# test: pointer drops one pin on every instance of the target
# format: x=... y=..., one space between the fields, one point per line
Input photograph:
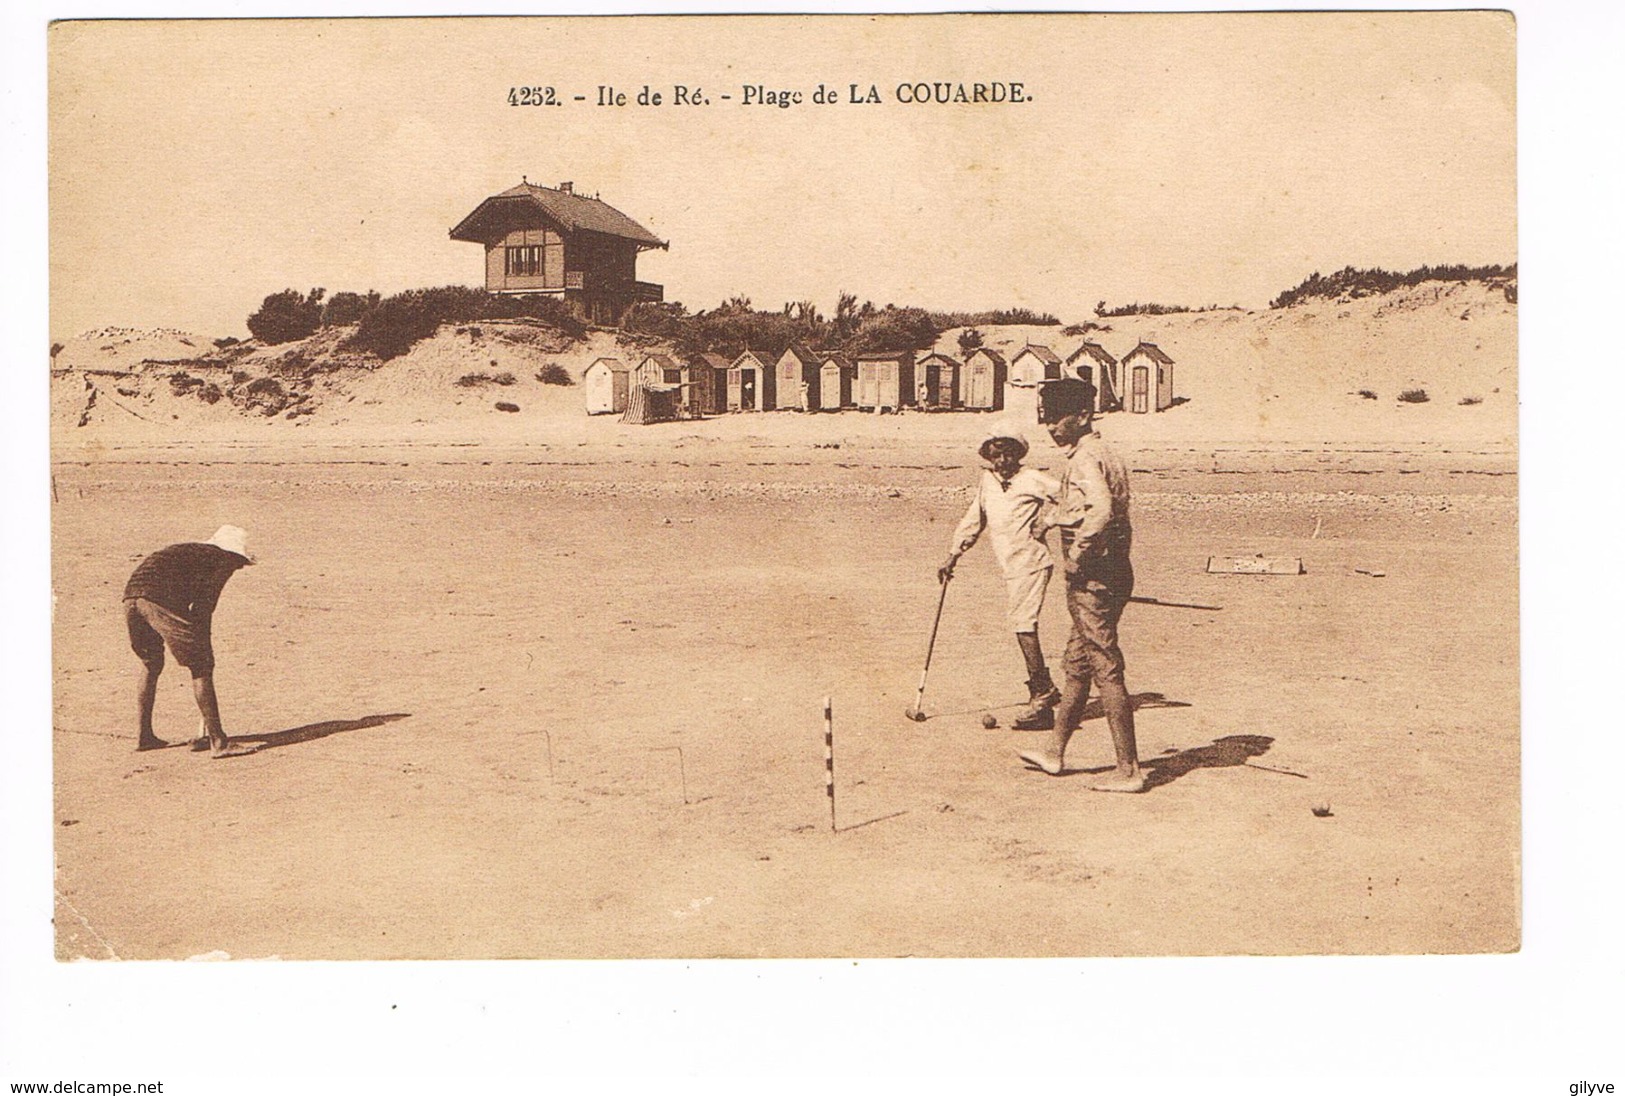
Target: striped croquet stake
x=829 y=761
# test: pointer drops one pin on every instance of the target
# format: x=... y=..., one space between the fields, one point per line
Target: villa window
x=525 y=261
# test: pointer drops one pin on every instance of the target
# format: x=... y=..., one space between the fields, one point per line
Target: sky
x=196 y=167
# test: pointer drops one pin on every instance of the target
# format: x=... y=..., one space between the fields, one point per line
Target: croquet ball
x=990 y=721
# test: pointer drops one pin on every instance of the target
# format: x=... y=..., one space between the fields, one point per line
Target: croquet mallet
x=917 y=713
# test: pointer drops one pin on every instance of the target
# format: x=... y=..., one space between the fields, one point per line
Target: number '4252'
x=533 y=97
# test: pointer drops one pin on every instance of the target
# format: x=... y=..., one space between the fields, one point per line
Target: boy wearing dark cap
x=170 y=599
x=1092 y=513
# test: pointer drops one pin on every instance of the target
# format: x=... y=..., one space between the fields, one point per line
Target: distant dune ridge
x=1281 y=376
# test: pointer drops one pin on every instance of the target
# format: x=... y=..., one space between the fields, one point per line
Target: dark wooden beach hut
x=937 y=380
x=705 y=384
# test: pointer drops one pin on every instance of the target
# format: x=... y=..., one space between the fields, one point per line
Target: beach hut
x=655 y=369
x=798 y=379
x=835 y=378
x=885 y=380
x=1091 y=362
x=1034 y=363
x=606 y=384
x=937 y=380
x=751 y=379
x=981 y=384
x=1031 y=366
x=1148 y=376
x=705 y=384
x=652 y=403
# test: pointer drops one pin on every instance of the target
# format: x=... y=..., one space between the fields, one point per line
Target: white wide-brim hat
x=1005 y=429
x=233 y=539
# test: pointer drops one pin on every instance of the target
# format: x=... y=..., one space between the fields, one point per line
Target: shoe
x=1050 y=697
x=1034 y=719
x=1039 y=715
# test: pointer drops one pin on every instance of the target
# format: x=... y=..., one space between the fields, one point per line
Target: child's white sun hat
x=232 y=538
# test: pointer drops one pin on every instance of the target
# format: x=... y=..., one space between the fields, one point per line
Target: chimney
x=567 y=188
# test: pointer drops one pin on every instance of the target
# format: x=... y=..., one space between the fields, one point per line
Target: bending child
x=1008 y=499
x=170 y=599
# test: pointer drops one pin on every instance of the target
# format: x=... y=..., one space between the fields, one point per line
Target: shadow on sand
x=1231 y=751
x=312 y=731
x=1222 y=753
x=1093 y=710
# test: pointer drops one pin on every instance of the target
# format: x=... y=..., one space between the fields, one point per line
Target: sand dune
x=1271 y=377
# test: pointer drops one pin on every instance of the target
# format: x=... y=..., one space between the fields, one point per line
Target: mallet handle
x=931 y=646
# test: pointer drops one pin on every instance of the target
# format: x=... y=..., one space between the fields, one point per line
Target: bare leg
x=146 y=693
x=1068 y=713
x=208 y=705
x=1120 y=719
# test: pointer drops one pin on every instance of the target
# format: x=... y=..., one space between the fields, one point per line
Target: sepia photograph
x=756 y=487
x=614 y=500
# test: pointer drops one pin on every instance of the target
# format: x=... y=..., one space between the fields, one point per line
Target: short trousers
x=1092 y=653
x=151 y=626
x=1026 y=599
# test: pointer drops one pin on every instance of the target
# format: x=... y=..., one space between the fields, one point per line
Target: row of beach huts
x=661 y=387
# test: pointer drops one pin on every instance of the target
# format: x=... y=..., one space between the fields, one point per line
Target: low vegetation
x=1354 y=282
x=474 y=380
x=735 y=326
x=287 y=316
x=388 y=327
x=1414 y=395
x=1151 y=308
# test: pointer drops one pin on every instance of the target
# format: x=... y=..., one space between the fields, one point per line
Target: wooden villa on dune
x=1148 y=375
x=555 y=242
x=982 y=380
